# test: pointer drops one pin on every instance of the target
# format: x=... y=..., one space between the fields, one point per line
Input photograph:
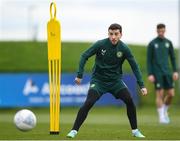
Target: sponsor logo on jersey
x=119 y=54
x=158 y=85
x=103 y=51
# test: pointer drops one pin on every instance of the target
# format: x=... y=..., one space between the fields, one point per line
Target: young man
x=159 y=72
x=107 y=77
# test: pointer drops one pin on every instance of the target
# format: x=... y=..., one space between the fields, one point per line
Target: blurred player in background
x=107 y=77
x=160 y=73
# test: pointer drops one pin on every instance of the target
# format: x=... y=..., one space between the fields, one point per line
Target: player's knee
x=92 y=98
x=89 y=103
x=129 y=101
x=171 y=95
x=159 y=96
x=86 y=106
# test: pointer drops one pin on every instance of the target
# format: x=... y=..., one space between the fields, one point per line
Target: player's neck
x=114 y=44
x=161 y=37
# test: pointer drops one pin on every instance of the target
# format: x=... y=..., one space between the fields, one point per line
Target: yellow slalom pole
x=54 y=63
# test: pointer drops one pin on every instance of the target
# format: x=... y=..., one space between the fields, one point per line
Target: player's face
x=161 y=32
x=114 y=36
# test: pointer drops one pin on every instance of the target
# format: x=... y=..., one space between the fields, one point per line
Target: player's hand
x=175 y=76
x=144 y=91
x=151 y=78
x=78 y=80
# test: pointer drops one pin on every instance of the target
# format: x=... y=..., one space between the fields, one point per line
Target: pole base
x=54 y=133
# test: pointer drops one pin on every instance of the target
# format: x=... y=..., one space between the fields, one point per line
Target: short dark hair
x=161 y=25
x=115 y=26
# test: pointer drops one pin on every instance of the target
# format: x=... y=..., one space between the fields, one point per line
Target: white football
x=25 y=120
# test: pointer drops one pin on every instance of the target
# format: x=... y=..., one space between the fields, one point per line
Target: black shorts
x=164 y=81
x=111 y=87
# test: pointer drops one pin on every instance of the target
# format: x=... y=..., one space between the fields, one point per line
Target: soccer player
x=107 y=77
x=159 y=72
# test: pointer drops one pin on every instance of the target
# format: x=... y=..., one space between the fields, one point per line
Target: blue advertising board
x=32 y=89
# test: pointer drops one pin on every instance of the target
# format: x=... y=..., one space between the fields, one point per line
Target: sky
x=88 y=20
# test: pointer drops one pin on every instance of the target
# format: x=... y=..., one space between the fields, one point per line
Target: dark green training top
x=109 y=60
x=159 y=50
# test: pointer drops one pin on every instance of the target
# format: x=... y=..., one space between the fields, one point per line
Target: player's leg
x=124 y=95
x=91 y=99
x=159 y=88
x=168 y=98
x=167 y=101
x=160 y=105
x=168 y=85
x=159 y=98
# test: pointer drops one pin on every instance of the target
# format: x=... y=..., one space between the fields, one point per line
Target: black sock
x=124 y=95
x=91 y=99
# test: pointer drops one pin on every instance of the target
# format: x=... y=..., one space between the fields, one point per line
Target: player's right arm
x=84 y=57
x=173 y=62
x=151 y=77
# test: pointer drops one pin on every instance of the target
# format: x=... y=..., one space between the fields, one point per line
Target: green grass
x=22 y=56
x=32 y=56
x=103 y=123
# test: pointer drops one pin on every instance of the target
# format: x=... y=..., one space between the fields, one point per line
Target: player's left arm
x=136 y=71
x=173 y=61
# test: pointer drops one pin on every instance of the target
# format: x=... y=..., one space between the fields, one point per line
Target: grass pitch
x=103 y=123
x=32 y=56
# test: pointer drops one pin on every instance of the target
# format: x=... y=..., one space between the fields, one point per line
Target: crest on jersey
x=156 y=45
x=119 y=54
x=158 y=85
x=167 y=45
x=103 y=51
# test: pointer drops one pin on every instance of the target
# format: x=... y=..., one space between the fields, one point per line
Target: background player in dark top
x=107 y=77
x=160 y=73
